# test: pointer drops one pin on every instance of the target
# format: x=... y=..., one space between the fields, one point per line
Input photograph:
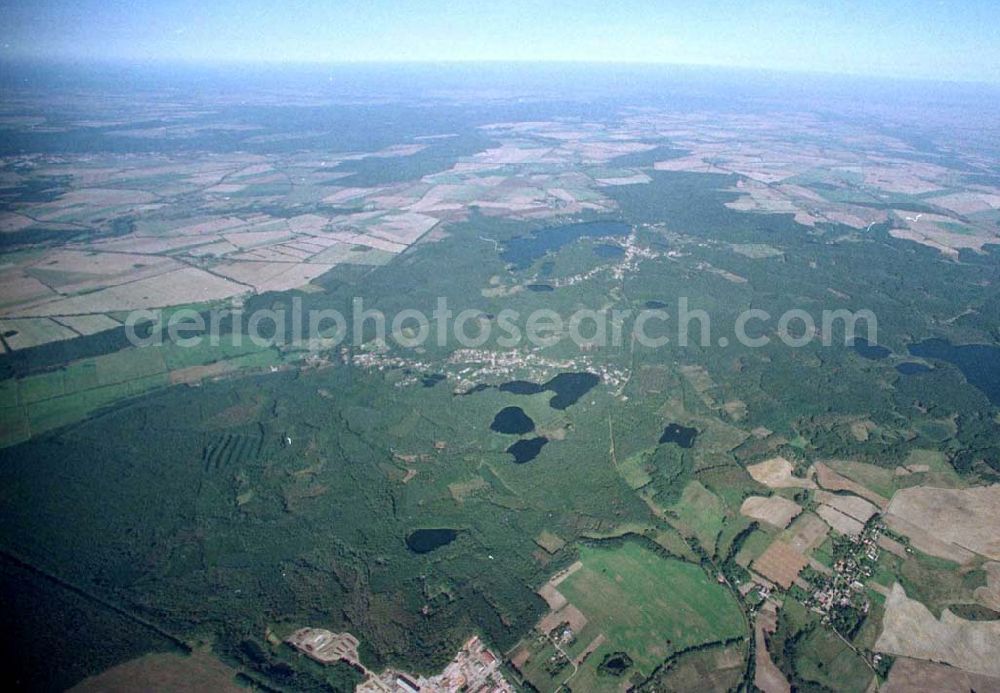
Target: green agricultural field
x=700 y=513
x=822 y=657
x=648 y=605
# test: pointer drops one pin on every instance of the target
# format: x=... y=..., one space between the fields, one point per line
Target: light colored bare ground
x=565 y=573
x=839 y=521
x=553 y=597
x=18 y=288
x=892 y=546
x=272 y=276
x=780 y=563
x=969 y=517
x=833 y=481
x=164 y=672
x=917 y=676
x=967 y=202
x=256 y=239
x=520 y=658
x=774 y=510
x=72 y=271
x=195 y=374
x=921 y=539
x=806 y=533
x=13 y=222
x=634 y=179
x=567 y=614
x=134 y=243
x=88 y=324
x=29 y=332
x=989 y=594
x=858 y=508
x=736 y=408
x=767 y=676
x=777 y=473
x=909 y=629
x=186 y=285
x=211 y=226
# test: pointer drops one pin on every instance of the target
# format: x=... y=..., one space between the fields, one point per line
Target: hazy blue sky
x=955 y=39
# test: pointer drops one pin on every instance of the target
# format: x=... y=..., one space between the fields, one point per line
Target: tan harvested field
x=565 y=573
x=165 y=673
x=404 y=229
x=832 y=481
x=917 y=676
x=272 y=276
x=634 y=179
x=774 y=510
x=989 y=594
x=88 y=324
x=923 y=540
x=777 y=473
x=549 y=541
x=968 y=202
x=18 y=288
x=255 y=239
x=909 y=629
x=134 y=243
x=181 y=286
x=892 y=546
x=71 y=271
x=552 y=597
x=780 y=563
x=767 y=676
x=968 y=518
x=839 y=521
x=853 y=506
x=806 y=533
x=567 y=614
x=30 y=332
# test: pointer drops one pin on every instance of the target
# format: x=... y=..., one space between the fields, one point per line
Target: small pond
x=426 y=540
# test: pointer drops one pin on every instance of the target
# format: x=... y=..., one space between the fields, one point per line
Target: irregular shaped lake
x=979 y=363
x=873 y=352
x=568 y=388
x=681 y=435
x=426 y=540
x=512 y=420
x=521 y=252
x=527 y=449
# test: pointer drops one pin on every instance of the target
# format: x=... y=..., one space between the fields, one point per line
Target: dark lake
x=426 y=540
x=616 y=663
x=979 y=363
x=568 y=388
x=870 y=351
x=527 y=449
x=607 y=250
x=432 y=379
x=522 y=387
x=512 y=420
x=912 y=368
x=655 y=305
x=541 y=288
x=681 y=435
x=522 y=251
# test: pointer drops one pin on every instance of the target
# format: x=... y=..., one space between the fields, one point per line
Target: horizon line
x=232 y=62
